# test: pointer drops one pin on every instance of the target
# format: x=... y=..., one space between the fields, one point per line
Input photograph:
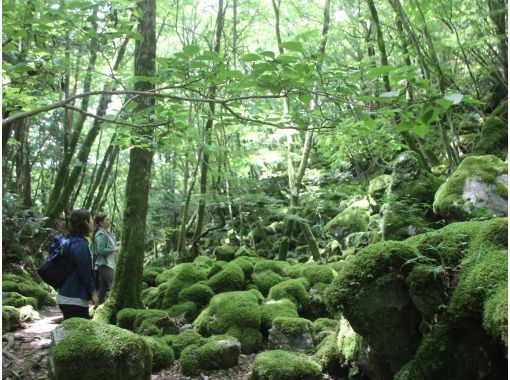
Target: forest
x=305 y=189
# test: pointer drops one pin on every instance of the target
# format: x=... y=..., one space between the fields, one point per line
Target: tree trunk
x=204 y=168
x=127 y=284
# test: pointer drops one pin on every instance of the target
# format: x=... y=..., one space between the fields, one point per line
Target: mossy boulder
x=244 y=251
x=199 y=293
x=495 y=314
x=291 y=334
x=213 y=354
x=272 y=309
x=185 y=311
x=493 y=138
x=378 y=187
x=162 y=355
x=225 y=252
x=322 y=327
x=352 y=219
x=372 y=293
x=283 y=365
x=185 y=339
x=477 y=188
x=11 y=319
x=246 y=264
x=410 y=195
x=17 y=300
x=293 y=290
x=315 y=273
x=216 y=268
x=83 y=349
x=230 y=278
x=156 y=322
x=233 y=313
x=184 y=275
x=150 y=274
x=279 y=267
x=265 y=280
x=28 y=288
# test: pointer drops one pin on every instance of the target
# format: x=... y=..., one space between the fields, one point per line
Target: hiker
x=104 y=247
x=78 y=289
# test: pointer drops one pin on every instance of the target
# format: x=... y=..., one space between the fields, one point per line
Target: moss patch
x=162 y=355
x=283 y=365
x=293 y=290
x=230 y=278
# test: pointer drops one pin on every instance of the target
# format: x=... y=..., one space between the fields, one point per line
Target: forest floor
x=25 y=354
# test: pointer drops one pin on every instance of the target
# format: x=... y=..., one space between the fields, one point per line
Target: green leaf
x=250 y=57
x=404 y=126
x=420 y=129
x=454 y=98
x=190 y=50
x=292 y=46
x=380 y=70
x=268 y=53
x=469 y=100
x=371 y=123
x=428 y=114
x=444 y=103
x=286 y=58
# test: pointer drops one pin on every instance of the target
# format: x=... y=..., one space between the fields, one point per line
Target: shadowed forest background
x=333 y=171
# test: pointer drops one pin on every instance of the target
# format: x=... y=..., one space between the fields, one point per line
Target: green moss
x=448 y=201
x=217 y=267
x=185 y=339
x=26 y=287
x=148 y=327
x=336 y=266
x=199 y=293
x=378 y=186
x=246 y=265
x=352 y=219
x=184 y=275
x=318 y=273
x=150 y=274
x=495 y=314
x=17 y=300
x=225 y=252
x=11 y=318
x=283 y=365
x=279 y=267
x=5 y=322
x=492 y=233
x=114 y=352
x=238 y=310
x=272 y=309
x=126 y=318
x=292 y=290
x=186 y=310
x=250 y=338
x=291 y=326
x=348 y=343
x=327 y=355
x=132 y=319
x=211 y=355
x=265 y=280
x=162 y=355
x=367 y=265
x=296 y=271
x=231 y=278
x=203 y=262
x=428 y=286
x=323 y=327
x=493 y=139
x=258 y=294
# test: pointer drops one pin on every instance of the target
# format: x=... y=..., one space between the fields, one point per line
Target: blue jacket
x=80 y=283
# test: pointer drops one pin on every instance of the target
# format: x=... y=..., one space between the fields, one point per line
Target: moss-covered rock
x=291 y=334
x=28 y=288
x=279 y=267
x=185 y=339
x=213 y=354
x=293 y=290
x=283 y=365
x=246 y=264
x=225 y=252
x=199 y=293
x=493 y=138
x=265 y=280
x=371 y=292
x=272 y=309
x=352 y=219
x=150 y=274
x=217 y=267
x=162 y=355
x=315 y=273
x=108 y=351
x=378 y=186
x=411 y=193
x=478 y=187
x=244 y=251
x=322 y=327
x=156 y=322
x=230 y=278
x=328 y=357
x=186 y=311
x=17 y=300
x=495 y=314
x=233 y=313
x=184 y=275
x=11 y=319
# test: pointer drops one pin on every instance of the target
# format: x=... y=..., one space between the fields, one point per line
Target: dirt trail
x=26 y=357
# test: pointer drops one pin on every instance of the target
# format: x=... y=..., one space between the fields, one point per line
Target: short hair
x=99 y=218
x=78 y=225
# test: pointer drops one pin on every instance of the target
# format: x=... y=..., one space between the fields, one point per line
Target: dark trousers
x=105 y=281
x=71 y=311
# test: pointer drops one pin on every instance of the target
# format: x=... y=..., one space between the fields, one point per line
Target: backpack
x=58 y=265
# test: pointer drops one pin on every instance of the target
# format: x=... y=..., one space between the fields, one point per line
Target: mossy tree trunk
x=127 y=285
x=204 y=166
x=296 y=176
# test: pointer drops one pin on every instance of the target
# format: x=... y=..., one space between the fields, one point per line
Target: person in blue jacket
x=78 y=289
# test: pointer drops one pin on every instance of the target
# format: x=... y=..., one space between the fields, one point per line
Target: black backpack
x=58 y=265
